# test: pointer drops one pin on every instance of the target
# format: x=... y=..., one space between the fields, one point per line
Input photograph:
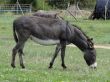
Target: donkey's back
x=41 y=28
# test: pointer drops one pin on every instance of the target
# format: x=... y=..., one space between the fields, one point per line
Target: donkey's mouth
x=94 y=65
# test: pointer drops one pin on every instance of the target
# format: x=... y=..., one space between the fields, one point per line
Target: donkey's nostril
x=95 y=67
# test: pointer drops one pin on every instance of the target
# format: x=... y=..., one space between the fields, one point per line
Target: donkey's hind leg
x=23 y=37
x=19 y=46
x=20 y=56
x=14 y=52
x=55 y=55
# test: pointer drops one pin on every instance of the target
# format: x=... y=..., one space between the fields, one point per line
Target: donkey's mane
x=88 y=38
x=81 y=31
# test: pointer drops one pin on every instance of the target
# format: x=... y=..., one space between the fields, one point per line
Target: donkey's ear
x=90 y=39
x=90 y=43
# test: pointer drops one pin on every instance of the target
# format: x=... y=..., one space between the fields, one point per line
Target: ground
x=37 y=57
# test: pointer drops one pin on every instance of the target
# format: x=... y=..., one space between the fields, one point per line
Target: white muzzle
x=94 y=65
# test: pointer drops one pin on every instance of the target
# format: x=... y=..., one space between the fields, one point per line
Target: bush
x=58 y=3
x=41 y=5
x=87 y=3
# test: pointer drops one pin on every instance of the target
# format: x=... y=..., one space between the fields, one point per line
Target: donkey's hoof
x=50 y=67
x=64 y=67
x=22 y=66
x=51 y=64
x=13 y=66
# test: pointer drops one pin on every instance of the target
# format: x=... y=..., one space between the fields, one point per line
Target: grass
x=37 y=57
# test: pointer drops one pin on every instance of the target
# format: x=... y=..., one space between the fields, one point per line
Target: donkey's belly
x=45 y=42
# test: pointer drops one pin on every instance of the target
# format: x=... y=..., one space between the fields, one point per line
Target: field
x=37 y=57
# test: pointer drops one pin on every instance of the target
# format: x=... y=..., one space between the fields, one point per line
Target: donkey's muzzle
x=94 y=65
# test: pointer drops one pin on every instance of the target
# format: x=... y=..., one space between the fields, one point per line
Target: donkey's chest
x=45 y=41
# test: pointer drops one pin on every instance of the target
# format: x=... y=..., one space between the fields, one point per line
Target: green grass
x=37 y=57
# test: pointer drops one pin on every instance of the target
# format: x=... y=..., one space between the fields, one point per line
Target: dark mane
x=81 y=31
x=90 y=42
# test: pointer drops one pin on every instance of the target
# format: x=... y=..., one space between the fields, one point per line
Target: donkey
x=48 y=31
x=48 y=14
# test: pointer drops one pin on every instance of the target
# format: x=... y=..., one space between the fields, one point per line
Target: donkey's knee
x=14 y=51
x=21 y=52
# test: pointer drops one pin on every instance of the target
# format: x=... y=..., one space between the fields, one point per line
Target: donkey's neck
x=80 y=39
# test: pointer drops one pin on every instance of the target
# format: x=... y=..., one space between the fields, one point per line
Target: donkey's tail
x=14 y=33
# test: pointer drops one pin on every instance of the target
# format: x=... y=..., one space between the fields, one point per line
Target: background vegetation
x=56 y=3
x=37 y=57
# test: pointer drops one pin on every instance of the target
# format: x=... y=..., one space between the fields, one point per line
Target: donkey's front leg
x=55 y=55
x=63 y=47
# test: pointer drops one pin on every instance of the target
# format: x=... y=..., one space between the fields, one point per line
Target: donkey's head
x=90 y=54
